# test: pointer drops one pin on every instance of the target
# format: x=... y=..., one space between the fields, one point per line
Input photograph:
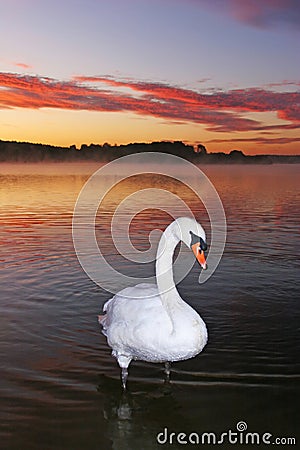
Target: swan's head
x=193 y=235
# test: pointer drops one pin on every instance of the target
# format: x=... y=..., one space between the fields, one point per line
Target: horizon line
x=79 y=149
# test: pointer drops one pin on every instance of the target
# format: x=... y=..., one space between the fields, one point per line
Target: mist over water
x=60 y=385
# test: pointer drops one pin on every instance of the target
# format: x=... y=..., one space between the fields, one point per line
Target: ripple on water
x=61 y=387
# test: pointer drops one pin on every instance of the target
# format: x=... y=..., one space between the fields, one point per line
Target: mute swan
x=152 y=322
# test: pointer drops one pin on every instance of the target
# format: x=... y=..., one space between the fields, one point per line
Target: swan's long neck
x=164 y=270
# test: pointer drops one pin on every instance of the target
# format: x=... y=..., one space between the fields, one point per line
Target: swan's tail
x=102 y=322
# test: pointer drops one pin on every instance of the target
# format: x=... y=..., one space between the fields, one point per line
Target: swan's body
x=152 y=322
x=141 y=328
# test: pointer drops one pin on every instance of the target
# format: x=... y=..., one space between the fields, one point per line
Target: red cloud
x=258 y=13
x=22 y=65
x=240 y=100
x=218 y=111
x=260 y=140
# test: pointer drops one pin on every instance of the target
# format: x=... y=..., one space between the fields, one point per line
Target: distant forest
x=27 y=152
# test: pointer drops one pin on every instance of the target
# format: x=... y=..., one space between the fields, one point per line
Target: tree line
x=11 y=151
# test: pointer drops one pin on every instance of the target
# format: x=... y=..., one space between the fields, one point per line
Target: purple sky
x=224 y=73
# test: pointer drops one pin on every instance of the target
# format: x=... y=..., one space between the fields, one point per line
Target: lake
x=60 y=385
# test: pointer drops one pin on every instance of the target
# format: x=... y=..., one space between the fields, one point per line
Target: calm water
x=60 y=386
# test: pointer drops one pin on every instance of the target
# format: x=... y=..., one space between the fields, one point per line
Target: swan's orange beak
x=199 y=254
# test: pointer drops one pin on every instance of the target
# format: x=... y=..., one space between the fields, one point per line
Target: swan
x=152 y=322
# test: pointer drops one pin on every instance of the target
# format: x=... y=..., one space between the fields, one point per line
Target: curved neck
x=164 y=263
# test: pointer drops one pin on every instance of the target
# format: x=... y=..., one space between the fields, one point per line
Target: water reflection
x=134 y=417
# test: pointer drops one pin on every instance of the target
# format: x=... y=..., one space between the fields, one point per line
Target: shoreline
x=24 y=152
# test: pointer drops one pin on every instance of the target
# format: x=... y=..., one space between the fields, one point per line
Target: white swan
x=152 y=322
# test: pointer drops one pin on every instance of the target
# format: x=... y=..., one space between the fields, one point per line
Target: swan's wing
x=129 y=302
x=127 y=305
x=134 y=320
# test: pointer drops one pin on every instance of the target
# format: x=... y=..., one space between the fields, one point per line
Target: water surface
x=60 y=385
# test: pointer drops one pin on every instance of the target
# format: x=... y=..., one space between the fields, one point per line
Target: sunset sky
x=225 y=73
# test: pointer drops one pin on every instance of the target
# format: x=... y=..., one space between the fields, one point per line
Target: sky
x=224 y=73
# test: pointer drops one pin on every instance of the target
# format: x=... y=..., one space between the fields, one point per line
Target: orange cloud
x=218 y=111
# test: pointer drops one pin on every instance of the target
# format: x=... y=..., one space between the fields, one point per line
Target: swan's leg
x=124 y=376
x=124 y=362
x=167 y=371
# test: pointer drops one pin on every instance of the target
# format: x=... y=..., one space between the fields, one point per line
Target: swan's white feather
x=153 y=323
x=138 y=326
